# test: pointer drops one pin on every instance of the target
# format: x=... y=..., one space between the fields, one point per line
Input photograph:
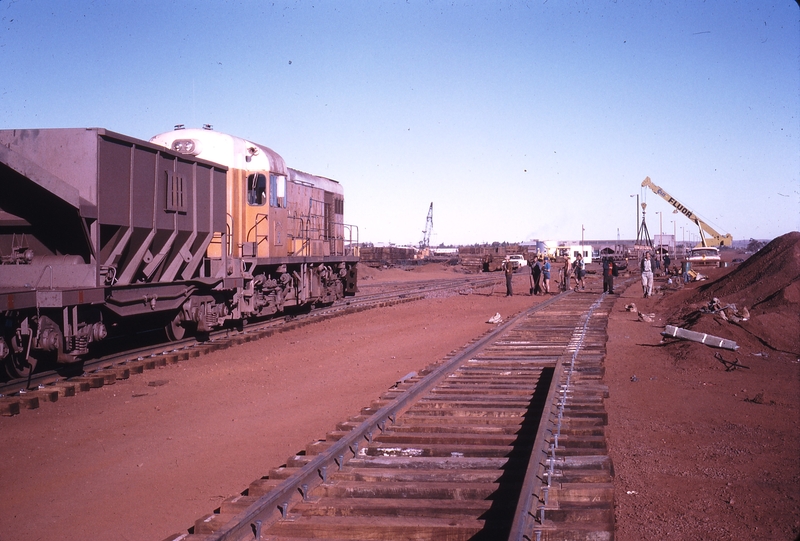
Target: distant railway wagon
x=104 y=234
x=382 y=256
x=488 y=258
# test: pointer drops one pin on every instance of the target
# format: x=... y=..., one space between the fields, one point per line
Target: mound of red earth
x=705 y=441
x=767 y=285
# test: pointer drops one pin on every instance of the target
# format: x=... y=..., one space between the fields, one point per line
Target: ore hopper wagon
x=104 y=234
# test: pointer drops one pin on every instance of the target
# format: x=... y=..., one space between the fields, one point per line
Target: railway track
x=502 y=440
x=19 y=394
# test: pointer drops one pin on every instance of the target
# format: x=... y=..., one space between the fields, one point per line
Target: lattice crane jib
x=426 y=233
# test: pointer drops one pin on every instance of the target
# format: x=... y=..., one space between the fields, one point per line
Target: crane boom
x=426 y=234
x=718 y=238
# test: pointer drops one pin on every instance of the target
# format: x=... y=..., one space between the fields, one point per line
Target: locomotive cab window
x=277 y=191
x=256 y=189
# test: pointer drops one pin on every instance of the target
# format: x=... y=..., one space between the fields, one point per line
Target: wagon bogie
x=51 y=336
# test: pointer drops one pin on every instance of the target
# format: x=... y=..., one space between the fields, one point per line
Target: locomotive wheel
x=19 y=367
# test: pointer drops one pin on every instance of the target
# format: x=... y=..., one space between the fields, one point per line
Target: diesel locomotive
x=102 y=234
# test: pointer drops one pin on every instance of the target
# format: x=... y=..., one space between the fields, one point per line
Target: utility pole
x=636 y=229
x=582 y=230
x=674 y=234
x=660 y=231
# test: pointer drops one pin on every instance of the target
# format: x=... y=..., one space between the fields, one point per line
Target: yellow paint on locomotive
x=272 y=211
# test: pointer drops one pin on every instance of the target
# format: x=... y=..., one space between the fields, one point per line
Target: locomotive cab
x=285 y=236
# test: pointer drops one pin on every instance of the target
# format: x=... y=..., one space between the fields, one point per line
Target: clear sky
x=518 y=120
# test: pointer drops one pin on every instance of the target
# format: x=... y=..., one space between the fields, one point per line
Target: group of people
x=540 y=276
x=576 y=271
x=541 y=270
x=649 y=265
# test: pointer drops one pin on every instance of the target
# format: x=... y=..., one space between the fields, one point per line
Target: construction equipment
x=715 y=238
x=426 y=234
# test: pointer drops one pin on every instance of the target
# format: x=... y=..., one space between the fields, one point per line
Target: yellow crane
x=715 y=238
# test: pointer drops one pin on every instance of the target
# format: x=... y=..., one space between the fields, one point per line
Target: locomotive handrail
x=229 y=234
x=259 y=218
x=354 y=246
x=311 y=202
x=42 y=276
x=301 y=220
x=301 y=229
x=302 y=247
x=218 y=240
x=309 y=233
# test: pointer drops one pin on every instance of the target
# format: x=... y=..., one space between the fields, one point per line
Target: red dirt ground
x=699 y=452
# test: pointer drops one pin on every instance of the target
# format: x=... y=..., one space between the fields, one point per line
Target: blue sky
x=518 y=120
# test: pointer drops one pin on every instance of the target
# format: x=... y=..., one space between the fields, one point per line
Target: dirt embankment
x=703 y=450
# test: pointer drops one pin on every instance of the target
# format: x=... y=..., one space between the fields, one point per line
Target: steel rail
x=529 y=521
x=525 y=516
x=275 y=504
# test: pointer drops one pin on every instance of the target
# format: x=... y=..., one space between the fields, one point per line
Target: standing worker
x=530 y=276
x=536 y=272
x=646 y=267
x=509 y=272
x=546 y=276
x=609 y=272
x=580 y=271
x=565 y=274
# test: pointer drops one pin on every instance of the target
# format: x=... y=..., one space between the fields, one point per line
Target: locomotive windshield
x=256 y=189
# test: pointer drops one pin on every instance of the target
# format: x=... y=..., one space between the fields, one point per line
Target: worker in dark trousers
x=609 y=272
x=509 y=272
x=566 y=273
x=536 y=272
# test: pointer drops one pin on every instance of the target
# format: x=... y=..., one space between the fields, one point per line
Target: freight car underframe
x=58 y=326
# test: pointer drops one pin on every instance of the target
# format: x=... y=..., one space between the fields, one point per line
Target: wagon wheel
x=175 y=331
x=17 y=366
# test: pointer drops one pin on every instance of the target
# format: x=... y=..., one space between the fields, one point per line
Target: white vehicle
x=516 y=261
x=707 y=256
x=571 y=252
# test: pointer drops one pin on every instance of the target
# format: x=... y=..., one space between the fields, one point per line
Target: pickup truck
x=705 y=256
x=515 y=260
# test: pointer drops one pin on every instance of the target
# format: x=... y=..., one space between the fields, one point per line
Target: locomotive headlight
x=186 y=146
